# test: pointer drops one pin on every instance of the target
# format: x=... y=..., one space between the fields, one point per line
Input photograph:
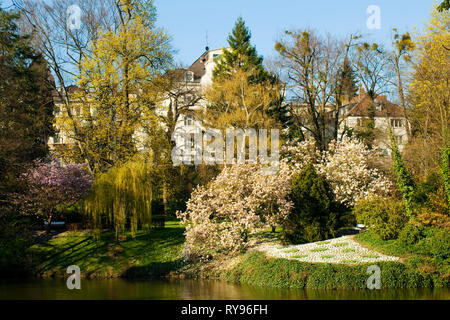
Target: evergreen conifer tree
x=242 y=55
x=348 y=81
x=26 y=103
x=316 y=214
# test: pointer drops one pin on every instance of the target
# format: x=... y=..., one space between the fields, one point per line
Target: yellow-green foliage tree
x=430 y=89
x=121 y=198
x=431 y=83
x=243 y=93
x=240 y=103
x=111 y=102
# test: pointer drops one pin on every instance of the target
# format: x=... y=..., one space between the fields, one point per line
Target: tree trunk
x=165 y=201
x=49 y=225
x=245 y=238
x=403 y=101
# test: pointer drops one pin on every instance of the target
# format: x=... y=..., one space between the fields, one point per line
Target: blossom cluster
x=219 y=218
x=347 y=167
x=52 y=184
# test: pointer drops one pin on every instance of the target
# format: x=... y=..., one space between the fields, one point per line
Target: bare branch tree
x=64 y=47
x=311 y=64
x=371 y=64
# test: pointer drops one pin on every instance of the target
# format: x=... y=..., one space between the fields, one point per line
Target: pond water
x=120 y=289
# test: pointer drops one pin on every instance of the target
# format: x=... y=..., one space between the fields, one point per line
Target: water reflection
x=195 y=290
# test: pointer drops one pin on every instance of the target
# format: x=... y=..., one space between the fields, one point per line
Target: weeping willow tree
x=121 y=198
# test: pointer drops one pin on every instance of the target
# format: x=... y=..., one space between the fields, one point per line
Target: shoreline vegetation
x=158 y=254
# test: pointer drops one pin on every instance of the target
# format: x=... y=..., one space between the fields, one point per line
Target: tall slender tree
x=112 y=80
x=26 y=104
x=311 y=63
x=399 y=58
x=241 y=55
x=405 y=181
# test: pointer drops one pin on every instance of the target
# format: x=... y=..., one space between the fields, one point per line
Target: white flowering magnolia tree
x=347 y=167
x=220 y=217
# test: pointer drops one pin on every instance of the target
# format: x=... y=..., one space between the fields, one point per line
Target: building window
x=189 y=141
x=189 y=76
x=360 y=122
x=396 y=123
x=189 y=120
x=398 y=139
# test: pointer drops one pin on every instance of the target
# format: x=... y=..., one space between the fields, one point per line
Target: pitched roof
x=198 y=67
x=359 y=107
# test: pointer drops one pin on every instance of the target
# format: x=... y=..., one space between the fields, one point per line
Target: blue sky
x=189 y=21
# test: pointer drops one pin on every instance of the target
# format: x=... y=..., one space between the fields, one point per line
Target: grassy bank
x=256 y=269
x=149 y=254
x=425 y=256
x=158 y=253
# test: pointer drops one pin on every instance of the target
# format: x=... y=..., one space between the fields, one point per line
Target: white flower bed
x=340 y=250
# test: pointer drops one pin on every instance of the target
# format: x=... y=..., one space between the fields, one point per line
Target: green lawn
x=257 y=269
x=389 y=247
x=152 y=253
x=422 y=260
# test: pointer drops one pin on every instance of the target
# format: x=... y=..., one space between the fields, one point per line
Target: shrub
x=424 y=188
x=436 y=244
x=396 y=275
x=386 y=217
x=315 y=215
x=15 y=239
x=433 y=219
x=438 y=202
x=436 y=212
x=348 y=165
x=256 y=269
x=411 y=234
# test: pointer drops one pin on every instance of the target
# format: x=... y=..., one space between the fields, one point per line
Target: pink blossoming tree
x=53 y=185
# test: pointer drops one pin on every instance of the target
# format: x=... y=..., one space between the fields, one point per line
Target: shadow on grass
x=153 y=270
x=149 y=254
x=74 y=254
